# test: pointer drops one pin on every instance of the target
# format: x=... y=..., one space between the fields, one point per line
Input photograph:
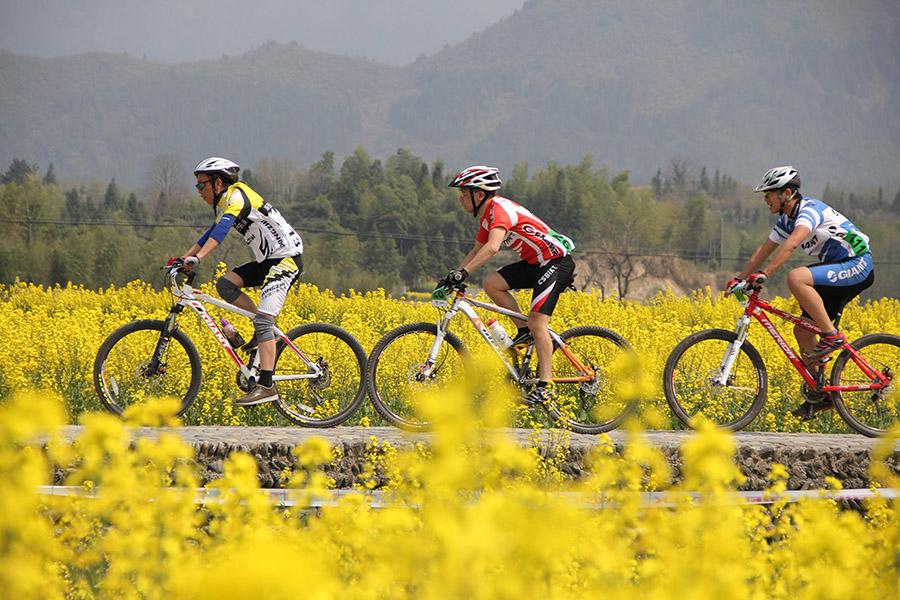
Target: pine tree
x=19 y=171
x=112 y=200
x=704 y=180
x=50 y=175
x=657 y=183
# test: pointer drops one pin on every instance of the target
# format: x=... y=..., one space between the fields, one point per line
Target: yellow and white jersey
x=264 y=229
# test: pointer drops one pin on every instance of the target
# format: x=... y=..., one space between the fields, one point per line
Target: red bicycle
x=718 y=374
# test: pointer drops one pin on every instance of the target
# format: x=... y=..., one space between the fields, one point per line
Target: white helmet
x=479 y=176
x=779 y=177
x=215 y=165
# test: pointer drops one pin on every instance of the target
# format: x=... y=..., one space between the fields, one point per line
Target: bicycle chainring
x=592 y=387
x=245 y=384
x=324 y=379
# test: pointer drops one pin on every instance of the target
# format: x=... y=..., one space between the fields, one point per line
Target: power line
x=635 y=252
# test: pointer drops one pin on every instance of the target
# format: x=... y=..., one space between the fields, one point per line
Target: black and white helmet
x=215 y=165
x=480 y=177
x=779 y=177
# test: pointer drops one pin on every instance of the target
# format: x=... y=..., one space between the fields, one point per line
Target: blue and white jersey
x=832 y=237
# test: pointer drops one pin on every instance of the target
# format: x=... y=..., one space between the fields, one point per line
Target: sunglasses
x=202 y=184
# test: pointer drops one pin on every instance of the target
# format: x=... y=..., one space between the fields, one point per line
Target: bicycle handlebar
x=175 y=268
x=751 y=289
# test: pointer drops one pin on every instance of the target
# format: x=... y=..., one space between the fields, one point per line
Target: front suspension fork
x=164 y=338
x=734 y=349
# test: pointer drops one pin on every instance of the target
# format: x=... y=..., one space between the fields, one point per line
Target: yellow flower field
x=49 y=337
x=475 y=516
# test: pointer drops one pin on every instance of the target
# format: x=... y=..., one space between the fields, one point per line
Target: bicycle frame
x=188 y=297
x=757 y=309
x=465 y=304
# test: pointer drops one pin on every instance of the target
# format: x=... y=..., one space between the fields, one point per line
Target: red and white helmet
x=215 y=165
x=480 y=177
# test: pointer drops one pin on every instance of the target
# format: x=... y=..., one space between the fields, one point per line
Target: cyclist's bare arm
x=208 y=247
x=757 y=258
x=482 y=253
x=787 y=248
x=471 y=253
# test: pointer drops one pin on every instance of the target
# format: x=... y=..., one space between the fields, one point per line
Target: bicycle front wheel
x=396 y=372
x=869 y=412
x=136 y=363
x=594 y=406
x=691 y=386
x=322 y=384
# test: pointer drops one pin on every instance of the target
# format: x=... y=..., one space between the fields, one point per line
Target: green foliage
x=369 y=223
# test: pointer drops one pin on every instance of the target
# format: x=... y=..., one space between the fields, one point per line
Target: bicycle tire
x=576 y=403
x=333 y=397
x=683 y=401
x=390 y=390
x=112 y=371
x=878 y=405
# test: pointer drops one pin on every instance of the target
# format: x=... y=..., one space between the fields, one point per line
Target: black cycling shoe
x=523 y=339
x=808 y=410
x=540 y=395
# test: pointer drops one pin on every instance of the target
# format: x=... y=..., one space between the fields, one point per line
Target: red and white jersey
x=533 y=239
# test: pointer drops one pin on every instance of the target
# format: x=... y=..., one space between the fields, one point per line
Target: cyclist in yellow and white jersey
x=277 y=252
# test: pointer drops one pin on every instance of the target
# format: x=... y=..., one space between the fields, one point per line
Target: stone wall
x=809 y=458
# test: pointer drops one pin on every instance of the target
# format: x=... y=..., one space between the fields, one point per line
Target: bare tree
x=624 y=267
x=167 y=177
x=681 y=174
x=277 y=179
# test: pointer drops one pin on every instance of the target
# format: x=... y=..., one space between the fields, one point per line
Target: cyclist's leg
x=800 y=282
x=515 y=276
x=250 y=274
x=834 y=298
x=552 y=280
x=832 y=286
x=275 y=286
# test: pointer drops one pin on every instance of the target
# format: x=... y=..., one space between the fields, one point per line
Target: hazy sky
x=391 y=31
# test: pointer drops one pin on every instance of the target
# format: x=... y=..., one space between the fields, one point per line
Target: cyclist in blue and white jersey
x=844 y=268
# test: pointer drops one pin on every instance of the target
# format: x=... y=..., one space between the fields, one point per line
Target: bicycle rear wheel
x=330 y=398
x=126 y=372
x=594 y=406
x=394 y=372
x=688 y=381
x=869 y=412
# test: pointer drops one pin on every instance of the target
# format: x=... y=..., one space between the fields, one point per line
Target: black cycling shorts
x=548 y=281
x=276 y=276
x=836 y=297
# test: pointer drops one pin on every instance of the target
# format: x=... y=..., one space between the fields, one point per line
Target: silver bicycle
x=319 y=367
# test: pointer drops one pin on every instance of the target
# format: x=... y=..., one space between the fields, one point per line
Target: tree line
x=369 y=223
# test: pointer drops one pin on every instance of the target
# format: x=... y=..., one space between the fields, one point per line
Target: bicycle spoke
x=693 y=381
x=598 y=401
x=874 y=409
x=128 y=374
x=399 y=373
x=325 y=388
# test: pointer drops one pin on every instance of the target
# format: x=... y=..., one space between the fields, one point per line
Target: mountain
x=729 y=84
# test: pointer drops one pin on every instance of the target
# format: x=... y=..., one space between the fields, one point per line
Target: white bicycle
x=319 y=367
x=416 y=356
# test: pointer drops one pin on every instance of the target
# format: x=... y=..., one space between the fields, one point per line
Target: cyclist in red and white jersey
x=546 y=265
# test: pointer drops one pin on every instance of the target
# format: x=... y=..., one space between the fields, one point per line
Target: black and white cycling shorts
x=548 y=281
x=276 y=276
